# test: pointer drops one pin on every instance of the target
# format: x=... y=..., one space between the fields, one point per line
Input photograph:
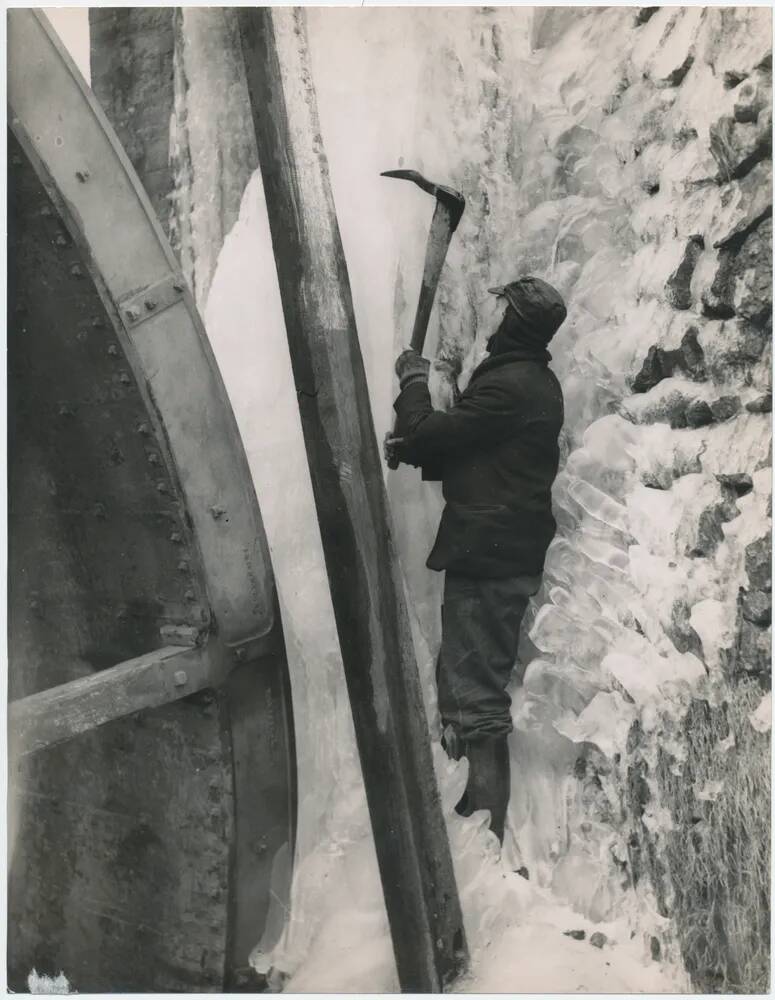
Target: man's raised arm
x=425 y=435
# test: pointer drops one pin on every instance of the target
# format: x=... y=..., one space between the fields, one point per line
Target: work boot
x=489 y=781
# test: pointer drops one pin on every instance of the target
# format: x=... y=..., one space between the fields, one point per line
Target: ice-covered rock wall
x=625 y=156
x=622 y=154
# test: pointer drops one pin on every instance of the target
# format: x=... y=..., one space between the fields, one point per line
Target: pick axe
x=449 y=208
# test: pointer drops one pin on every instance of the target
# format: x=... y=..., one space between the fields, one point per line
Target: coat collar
x=509 y=357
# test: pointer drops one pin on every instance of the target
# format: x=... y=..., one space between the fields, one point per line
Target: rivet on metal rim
x=176 y=537
x=189 y=595
x=217 y=512
x=82 y=175
x=143 y=429
x=181 y=678
x=161 y=487
x=150 y=305
x=77 y=271
x=124 y=379
x=113 y=351
x=132 y=315
x=183 y=566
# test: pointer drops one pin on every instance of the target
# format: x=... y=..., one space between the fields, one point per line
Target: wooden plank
x=366 y=587
x=62 y=712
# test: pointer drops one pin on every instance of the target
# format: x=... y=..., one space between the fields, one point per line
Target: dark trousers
x=480 y=624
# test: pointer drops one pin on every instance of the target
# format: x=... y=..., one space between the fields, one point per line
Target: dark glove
x=390 y=446
x=412 y=367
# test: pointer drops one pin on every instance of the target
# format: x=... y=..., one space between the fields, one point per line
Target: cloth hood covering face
x=536 y=312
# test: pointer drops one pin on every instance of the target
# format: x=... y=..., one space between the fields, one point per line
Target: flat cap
x=535 y=302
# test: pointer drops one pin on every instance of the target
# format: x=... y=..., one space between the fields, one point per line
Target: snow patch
x=761 y=718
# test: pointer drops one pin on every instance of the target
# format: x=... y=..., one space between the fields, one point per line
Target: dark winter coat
x=496 y=453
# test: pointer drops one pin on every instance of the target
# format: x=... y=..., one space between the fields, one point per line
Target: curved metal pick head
x=453 y=199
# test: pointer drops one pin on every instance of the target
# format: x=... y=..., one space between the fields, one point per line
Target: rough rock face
x=132 y=51
x=161 y=75
x=212 y=156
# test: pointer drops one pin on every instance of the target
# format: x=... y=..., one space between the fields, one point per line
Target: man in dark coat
x=496 y=453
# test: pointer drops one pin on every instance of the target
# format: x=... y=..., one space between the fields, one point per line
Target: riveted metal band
x=152 y=300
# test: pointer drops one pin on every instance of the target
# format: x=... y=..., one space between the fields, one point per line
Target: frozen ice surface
x=598 y=505
x=245 y=325
x=605 y=721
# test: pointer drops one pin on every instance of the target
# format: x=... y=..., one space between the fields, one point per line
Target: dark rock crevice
x=660 y=363
x=678 y=288
x=743 y=282
x=738 y=146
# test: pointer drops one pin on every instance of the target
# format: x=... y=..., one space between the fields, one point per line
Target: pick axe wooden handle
x=449 y=208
